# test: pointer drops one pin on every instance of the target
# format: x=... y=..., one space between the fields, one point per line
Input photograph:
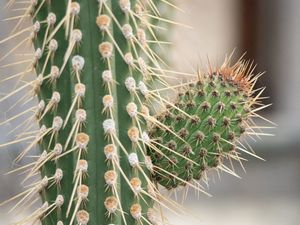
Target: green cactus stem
x=98 y=60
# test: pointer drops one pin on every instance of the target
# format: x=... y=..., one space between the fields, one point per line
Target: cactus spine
x=105 y=148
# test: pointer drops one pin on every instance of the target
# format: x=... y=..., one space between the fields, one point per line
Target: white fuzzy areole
x=109 y=126
x=133 y=159
x=130 y=84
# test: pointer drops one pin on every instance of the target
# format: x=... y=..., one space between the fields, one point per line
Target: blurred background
x=269 y=31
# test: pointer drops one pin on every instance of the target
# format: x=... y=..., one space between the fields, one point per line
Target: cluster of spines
x=122 y=79
x=221 y=108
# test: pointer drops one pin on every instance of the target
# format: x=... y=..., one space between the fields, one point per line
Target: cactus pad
x=214 y=113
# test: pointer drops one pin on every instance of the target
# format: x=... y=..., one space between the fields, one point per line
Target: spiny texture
x=104 y=150
x=95 y=72
x=101 y=60
x=215 y=112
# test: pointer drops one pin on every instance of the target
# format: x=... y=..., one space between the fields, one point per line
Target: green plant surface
x=216 y=112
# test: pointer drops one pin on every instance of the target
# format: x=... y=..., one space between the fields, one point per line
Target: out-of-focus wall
x=214 y=32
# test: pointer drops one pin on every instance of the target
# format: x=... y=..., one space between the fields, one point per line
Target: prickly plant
x=109 y=137
x=215 y=112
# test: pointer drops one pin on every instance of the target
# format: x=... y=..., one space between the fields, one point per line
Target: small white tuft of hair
x=103 y=22
x=57 y=123
x=128 y=58
x=83 y=191
x=57 y=149
x=54 y=72
x=41 y=105
x=58 y=176
x=142 y=65
x=53 y=45
x=36 y=27
x=136 y=185
x=148 y=163
x=78 y=62
x=131 y=109
x=38 y=53
x=133 y=159
x=51 y=19
x=136 y=211
x=55 y=98
x=145 y=110
x=82 y=166
x=82 y=140
x=109 y=126
x=44 y=183
x=141 y=36
x=145 y=137
x=127 y=31
x=133 y=134
x=80 y=115
x=130 y=84
x=108 y=101
x=111 y=204
x=79 y=89
x=125 y=5
x=82 y=217
x=59 y=201
x=143 y=88
x=110 y=151
x=76 y=35
x=40 y=108
x=107 y=76
x=106 y=49
x=74 y=8
x=110 y=177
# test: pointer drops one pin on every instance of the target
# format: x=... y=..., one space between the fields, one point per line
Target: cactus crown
x=109 y=138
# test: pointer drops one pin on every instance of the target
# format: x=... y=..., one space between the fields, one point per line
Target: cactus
x=216 y=111
x=109 y=138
